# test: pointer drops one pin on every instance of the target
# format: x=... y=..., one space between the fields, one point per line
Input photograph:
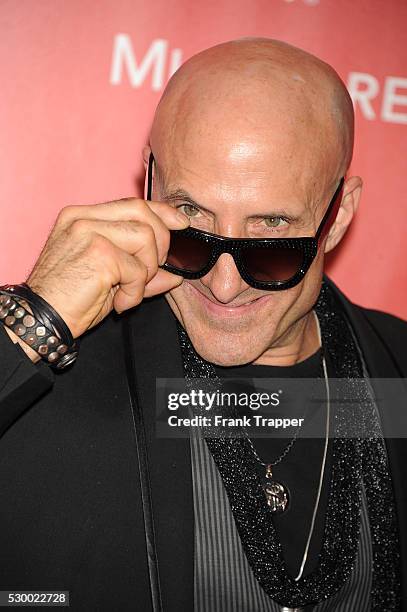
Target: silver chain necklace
x=276 y=493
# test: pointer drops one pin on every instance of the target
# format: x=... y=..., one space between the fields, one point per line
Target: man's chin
x=219 y=360
x=224 y=351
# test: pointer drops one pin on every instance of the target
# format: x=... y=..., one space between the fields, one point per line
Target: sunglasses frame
x=308 y=245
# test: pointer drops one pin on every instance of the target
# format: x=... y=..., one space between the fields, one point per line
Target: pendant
x=277 y=495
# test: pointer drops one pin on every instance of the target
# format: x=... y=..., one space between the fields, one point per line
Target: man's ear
x=350 y=201
x=146 y=156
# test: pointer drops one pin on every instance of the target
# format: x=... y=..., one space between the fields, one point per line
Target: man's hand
x=105 y=256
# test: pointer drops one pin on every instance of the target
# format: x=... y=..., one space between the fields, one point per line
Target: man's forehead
x=250 y=194
x=254 y=168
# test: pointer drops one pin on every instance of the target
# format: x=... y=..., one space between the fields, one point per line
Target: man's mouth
x=238 y=309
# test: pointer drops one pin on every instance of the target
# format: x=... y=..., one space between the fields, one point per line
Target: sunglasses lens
x=188 y=254
x=277 y=264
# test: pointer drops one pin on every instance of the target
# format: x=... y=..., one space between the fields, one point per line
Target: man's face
x=250 y=139
x=243 y=187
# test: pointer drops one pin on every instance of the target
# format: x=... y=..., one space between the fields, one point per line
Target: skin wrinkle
x=246 y=128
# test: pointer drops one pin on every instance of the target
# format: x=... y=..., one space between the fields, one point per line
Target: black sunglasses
x=264 y=263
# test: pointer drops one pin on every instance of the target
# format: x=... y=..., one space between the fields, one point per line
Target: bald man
x=217 y=277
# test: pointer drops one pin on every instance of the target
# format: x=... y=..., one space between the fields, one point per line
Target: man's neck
x=301 y=343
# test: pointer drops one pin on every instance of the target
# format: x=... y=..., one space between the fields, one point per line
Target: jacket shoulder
x=391 y=330
x=388 y=326
x=377 y=331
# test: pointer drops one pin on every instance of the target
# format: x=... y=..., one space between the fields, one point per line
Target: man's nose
x=224 y=280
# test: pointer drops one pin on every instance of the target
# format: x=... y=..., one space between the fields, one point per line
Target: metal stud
x=42 y=349
x=66 y=360
x=62 y=349
x=20 y=329
x=41 y=331
x=3 y=312
x=29 y=321
x=19 y=312
x=10 y=320
x=53 y=341
x=31 y=339
x=53 y=357
x=5 y=300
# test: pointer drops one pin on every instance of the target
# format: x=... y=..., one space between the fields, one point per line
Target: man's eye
x=275 y=221
x=189 y=210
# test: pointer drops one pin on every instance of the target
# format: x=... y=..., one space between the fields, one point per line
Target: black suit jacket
x=71 y=511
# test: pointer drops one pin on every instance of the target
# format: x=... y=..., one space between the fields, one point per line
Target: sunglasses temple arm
x=331 y=211
x=150 y=177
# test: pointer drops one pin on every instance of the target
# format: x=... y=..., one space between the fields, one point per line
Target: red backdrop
x=80 y=81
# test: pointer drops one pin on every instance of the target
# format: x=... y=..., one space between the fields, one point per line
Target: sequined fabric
x=354 y=458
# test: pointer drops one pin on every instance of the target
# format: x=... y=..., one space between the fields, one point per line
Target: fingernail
x=183 y=219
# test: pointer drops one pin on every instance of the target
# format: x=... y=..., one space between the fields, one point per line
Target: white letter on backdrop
x=123 y=57
x=175 y=61
x=363 y=96
x=391 y=99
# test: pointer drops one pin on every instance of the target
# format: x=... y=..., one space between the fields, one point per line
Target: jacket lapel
x=381 y=364
x=157 y=355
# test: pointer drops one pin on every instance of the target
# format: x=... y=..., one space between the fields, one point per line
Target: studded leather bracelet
x=42 y=329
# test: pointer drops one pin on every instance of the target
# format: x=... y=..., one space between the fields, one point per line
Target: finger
x=132 y=277
x=169 y=215
x=163 y=281
x=127 y=209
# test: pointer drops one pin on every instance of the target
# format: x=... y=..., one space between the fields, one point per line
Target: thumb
x=163 y=281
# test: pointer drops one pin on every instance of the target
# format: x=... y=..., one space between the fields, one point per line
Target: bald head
x=239 y=97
